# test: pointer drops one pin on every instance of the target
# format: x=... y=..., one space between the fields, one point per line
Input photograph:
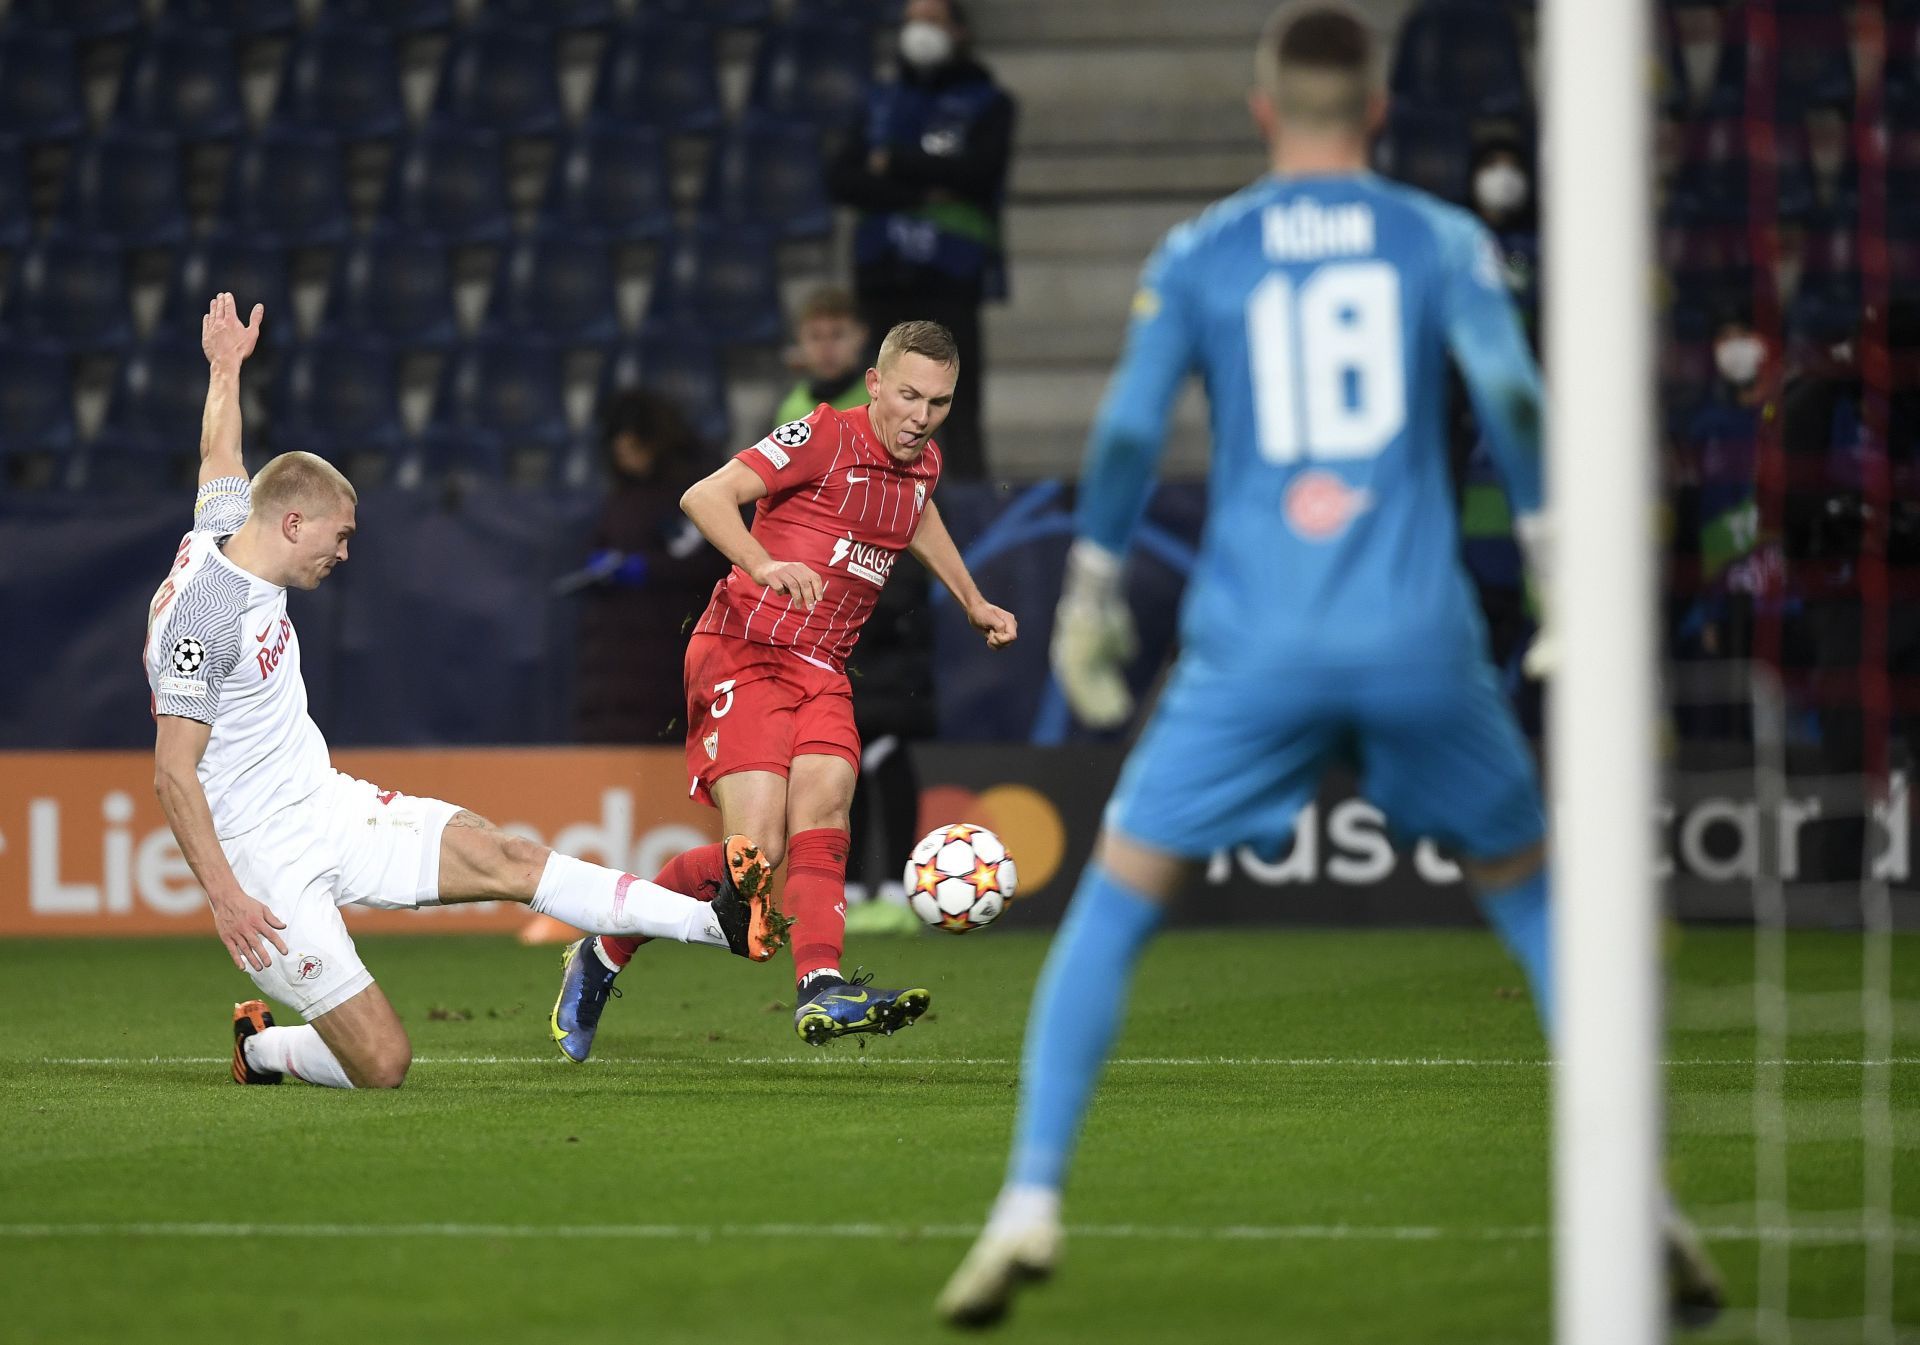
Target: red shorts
x=752 y=707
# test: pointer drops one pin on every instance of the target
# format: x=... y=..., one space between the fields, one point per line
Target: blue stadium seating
x=1461 y=56
x=394 y=286
x=721 y=281
x=449 y=183
x=36 y=399
x=1814 y=69
x=500 y=77
x=344 y=79
x=1429 y=148
x=558 y=285
x=720 y=13
x=72 y=292
x=685 y=369
x=1715 y=181
x=249 y=17
x=1826 y=307
x=40 y=94
x=125 y=186
x=286 y=187
x=339 y=399
x=611 y=182
x=82 y=18
x=768 y=173
x=440 y=455
x=184 y=80
x=1710 y=266
x=157 y=400
x=254 y=273
x=1902 y=74
x=16 y=203
x=505 y=395
x=812 y=71
x=570 y=14
x=661 y=74
x=396 y=16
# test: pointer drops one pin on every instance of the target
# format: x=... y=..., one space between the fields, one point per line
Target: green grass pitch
x=1309 y=1135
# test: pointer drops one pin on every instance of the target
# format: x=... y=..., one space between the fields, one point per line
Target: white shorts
x=348 y=843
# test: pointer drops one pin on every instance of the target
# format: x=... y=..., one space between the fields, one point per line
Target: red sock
x=816 y=897
x=696 y=873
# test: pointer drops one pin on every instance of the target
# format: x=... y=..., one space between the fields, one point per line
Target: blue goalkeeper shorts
x=1230 y=758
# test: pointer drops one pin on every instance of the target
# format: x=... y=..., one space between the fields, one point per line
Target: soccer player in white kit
x=277 y=837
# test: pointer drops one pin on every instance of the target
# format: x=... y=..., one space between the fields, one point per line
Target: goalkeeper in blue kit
x=1328 y=615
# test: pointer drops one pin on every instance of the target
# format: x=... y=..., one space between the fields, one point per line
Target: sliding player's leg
x=1206 y=775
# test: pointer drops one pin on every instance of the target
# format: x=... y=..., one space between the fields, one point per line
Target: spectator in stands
x=1503 y=198
x=830 y=354
x=649 y=571
x=927 y=170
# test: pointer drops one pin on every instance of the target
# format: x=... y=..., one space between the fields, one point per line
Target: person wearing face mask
x=926 y=168
x=1503 y=198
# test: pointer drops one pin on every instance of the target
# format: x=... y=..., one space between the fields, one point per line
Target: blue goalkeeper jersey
x=1320 y=313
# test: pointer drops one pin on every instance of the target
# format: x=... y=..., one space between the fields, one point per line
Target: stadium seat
x=660 y=74
x=720 y=13
x=183 y=79
x=395 y=16
x=689 y=371
x=395 y=286
x=251 y=18
x=36 y=400
x=1903 y=179
x=1814 y=70
x=1902 y=75
x=812 y=71
x=16 y=198
x=449 y=183
x=82 y=18
x=1710 y=265
x=345 y=79
x=1429 y=149
x=126 y=187
x=565 y=14
x=1826 y=306
x=500 y=77
x=768 y=173
x=339 y=399
x=254 y=273
x=157 y=399
x=557 y=285
x=1461 y=56
x=72 y=292
x=611 y=182
x=1715 y=181
x=441 y=455
x=286 y=187
x=720 y=281
x=40 y=94
x=504 y=394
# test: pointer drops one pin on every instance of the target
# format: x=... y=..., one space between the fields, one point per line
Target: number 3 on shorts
x=722 y=699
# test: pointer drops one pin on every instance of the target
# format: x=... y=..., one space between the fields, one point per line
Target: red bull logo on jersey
x=1319 y=505
x=269 y=658
x=870 y=563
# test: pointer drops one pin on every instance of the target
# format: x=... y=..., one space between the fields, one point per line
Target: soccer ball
x=960 y=878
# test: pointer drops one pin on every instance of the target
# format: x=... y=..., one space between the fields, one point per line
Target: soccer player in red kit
x=770 y=734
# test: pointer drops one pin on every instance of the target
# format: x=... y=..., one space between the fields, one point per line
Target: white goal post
x=1598 y=165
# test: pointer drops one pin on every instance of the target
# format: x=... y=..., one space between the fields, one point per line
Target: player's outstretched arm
x=245 y=926
x=933 y=547
x=227 y=342
x=714 y=504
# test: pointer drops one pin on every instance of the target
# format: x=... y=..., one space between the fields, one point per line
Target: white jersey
x=221 y=650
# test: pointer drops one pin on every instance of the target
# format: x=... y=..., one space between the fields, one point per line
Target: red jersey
x=838 y=503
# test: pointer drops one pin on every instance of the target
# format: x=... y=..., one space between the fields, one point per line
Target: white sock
x=1023 y=1207
x=299 y=1052
x=817 y=975
x=606 y=901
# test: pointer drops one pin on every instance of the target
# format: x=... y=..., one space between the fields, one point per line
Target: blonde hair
x=1315 y=62
x=919 y=338
x=829 y=301
x=300 y=481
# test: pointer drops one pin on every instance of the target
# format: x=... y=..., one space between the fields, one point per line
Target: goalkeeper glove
x=1534 y=532
x=1093 y=637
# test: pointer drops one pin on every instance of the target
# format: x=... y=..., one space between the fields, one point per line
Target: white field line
x=1006 y=1062
x=1907 y=1235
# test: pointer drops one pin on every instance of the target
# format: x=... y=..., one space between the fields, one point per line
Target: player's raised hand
x=793 y=579
x=246 y=927
x=226 y=340
x=996 y=623
x=1093 y=638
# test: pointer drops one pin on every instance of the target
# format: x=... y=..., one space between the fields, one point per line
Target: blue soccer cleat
x=585 y=984
x=843 y=1008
